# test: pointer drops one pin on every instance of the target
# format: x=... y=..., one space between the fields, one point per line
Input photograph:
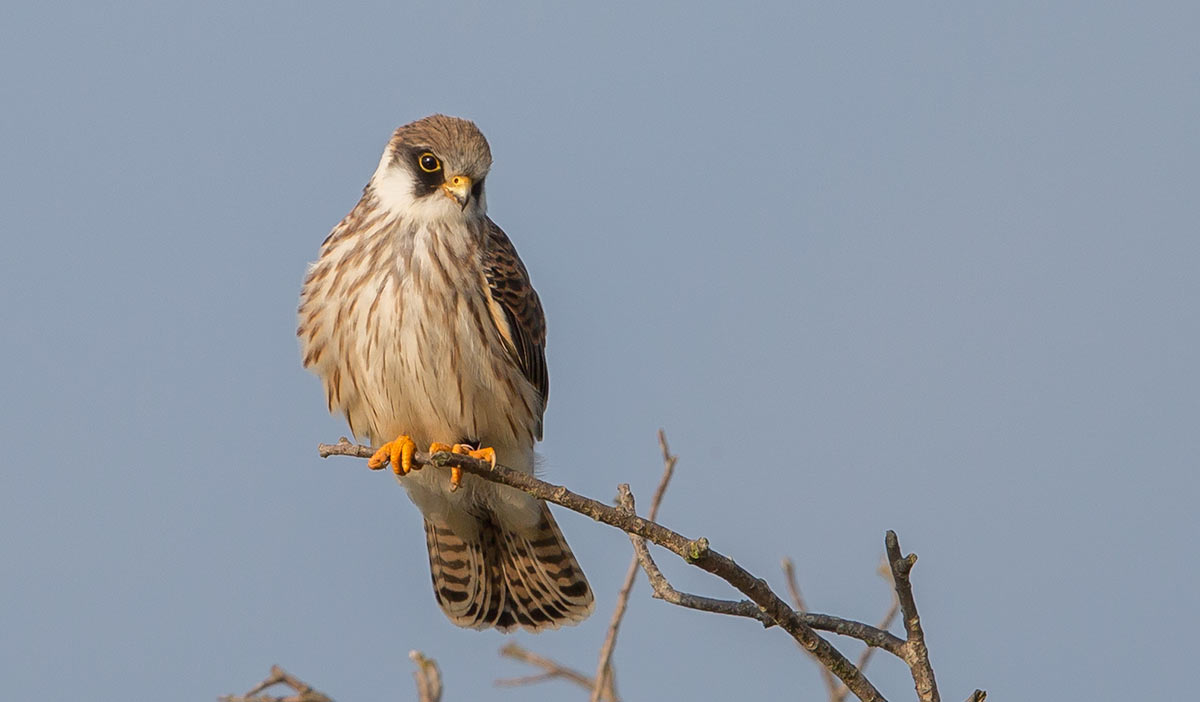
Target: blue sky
x=929 y=268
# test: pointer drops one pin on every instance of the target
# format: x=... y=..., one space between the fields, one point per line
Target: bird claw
x=486 y=453
x=399 y=453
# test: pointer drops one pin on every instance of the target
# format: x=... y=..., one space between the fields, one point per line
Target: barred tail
x=505 y=578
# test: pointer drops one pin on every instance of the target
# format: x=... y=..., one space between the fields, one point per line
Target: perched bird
x=420 y=319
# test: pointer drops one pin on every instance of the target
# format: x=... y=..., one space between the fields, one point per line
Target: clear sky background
x=923 y=267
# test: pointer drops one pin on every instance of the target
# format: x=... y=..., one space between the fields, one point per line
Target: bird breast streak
x=433 y=364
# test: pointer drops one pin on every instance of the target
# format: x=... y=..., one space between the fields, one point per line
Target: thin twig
x=837 y=691
x=604 y=685
x=279 y=676
x=916 y=653
x=428 y=677
x=525 y=680
x=884 y=623
x=553 y=670
x=604 y=671
x=663 y=590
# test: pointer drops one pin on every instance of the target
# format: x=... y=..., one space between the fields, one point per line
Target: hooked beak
x=458 y=188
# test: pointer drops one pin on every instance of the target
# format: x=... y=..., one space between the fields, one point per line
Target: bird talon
x=483 y=454
x=399 y=453
x=487 y=453
x=455 y=472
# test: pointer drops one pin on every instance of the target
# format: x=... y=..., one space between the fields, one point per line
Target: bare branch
x=669 y=461
x=553 y=670
x=604 y=671
x=836 y=690
x=428 y=677
x=663 y=590
x=793 y=585
x=872 y=636
x=603 y=684
x=886 y=622
x=694 y=551
x=279 y=676
x=525 y=680
x=916 y=654
x=765 y=605
x=822 y=650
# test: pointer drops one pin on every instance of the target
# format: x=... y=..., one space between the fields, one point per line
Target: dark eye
x=428 y=162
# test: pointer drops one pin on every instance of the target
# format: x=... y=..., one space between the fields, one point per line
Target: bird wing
x=516 y=310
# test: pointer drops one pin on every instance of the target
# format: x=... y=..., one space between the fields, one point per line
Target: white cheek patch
x=394 y=188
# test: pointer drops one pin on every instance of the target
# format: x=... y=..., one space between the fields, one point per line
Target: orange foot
x=399 y=453
x=484 y=454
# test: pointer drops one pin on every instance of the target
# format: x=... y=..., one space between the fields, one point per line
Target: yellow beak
x=458 y=188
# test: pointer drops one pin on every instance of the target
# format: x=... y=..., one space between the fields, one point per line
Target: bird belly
x=410 y=348
x=447 y=377
x=450 y=383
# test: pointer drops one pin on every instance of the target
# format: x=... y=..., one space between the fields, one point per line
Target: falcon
x=420 y=320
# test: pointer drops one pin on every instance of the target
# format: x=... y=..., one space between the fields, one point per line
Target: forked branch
x=764 y=604
x=302 y=691
x=837 y=691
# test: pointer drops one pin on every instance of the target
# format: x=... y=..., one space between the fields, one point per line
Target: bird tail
x=504 y=578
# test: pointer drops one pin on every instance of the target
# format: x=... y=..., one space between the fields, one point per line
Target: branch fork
x=763 y=605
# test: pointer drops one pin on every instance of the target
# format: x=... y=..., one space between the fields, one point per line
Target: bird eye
x=428 y=162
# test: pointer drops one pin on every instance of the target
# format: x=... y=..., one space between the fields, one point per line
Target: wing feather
x=516 y=309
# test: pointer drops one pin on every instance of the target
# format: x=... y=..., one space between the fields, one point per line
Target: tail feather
x=504 y=578
x=464 y=574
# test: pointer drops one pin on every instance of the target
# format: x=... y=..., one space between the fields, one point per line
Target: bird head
x=435 y=166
